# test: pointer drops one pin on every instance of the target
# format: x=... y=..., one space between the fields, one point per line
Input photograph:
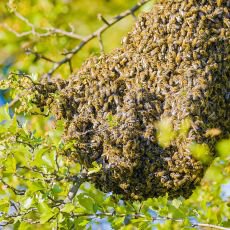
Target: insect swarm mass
x=174 y=65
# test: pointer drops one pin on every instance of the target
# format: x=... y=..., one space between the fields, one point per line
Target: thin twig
x=25 y=76
x=101 y=18
x=101 y=43
x=81 y=178
x=33 y=30
x=137 y=215
x=14 y=190
x=84 y=40
x=70 y=66
x=194 y=225
x=209 y=226
x=39 y=56
x=96 y=34
x=14 y=101
x=65 y=33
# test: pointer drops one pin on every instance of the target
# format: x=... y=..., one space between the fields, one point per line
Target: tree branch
x=33 y=30
x=84 y=40
x=14 y=190
x=39 y=56
x=81 y=178
x=96 y=34
x=137 y=215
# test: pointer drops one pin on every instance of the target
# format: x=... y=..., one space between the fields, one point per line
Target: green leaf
x=118 y=222
x=223 y=148
x=10 y=165
x=24 y=226
x=46 y=216
x=44 y=157
x=112 y=120
x=38 y=153
x=200 y=152
x=165 y=132
x=184 y=127
x=22 y=154
x=56 y=189
x=34 y=186
x=86 y=202
x=95 y=169
x=4 y=204
x=46 y=212
x=68 y=208
x=176 y=203
x=83 y=223
x=4 y=113
x=26 y=204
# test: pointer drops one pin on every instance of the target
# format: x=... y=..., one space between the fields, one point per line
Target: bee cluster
x=175 y=63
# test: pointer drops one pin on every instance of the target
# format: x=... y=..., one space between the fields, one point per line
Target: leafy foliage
x=35 y=175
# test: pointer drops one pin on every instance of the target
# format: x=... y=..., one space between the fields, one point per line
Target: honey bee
x=161 y=173
x=175 y=76
x=116 y=99
x=124 y=61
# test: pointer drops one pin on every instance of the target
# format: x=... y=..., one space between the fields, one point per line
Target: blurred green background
x=80 y=16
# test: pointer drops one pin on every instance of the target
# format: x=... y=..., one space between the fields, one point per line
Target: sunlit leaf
x=223 y=148
x=46 y=212
x=68 y=208
x=4 y=114
x=201 y=152
x=10 y=165
x=165 y=132
x=86 y=202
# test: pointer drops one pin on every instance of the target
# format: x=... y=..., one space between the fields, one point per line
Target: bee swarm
x=175 y=63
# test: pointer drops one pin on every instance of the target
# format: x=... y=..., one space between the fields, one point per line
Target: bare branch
x=25 y=76
x=70 y=34
x=202 y=225
x=14 y=101
x=38 y=55
x=84 y=40
x=96 y=34
x=209 y=226
x=101 y=18
x=17 y=34
x=34 y=30
x=24 y=20
x=101 y=43
x=70 y=66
